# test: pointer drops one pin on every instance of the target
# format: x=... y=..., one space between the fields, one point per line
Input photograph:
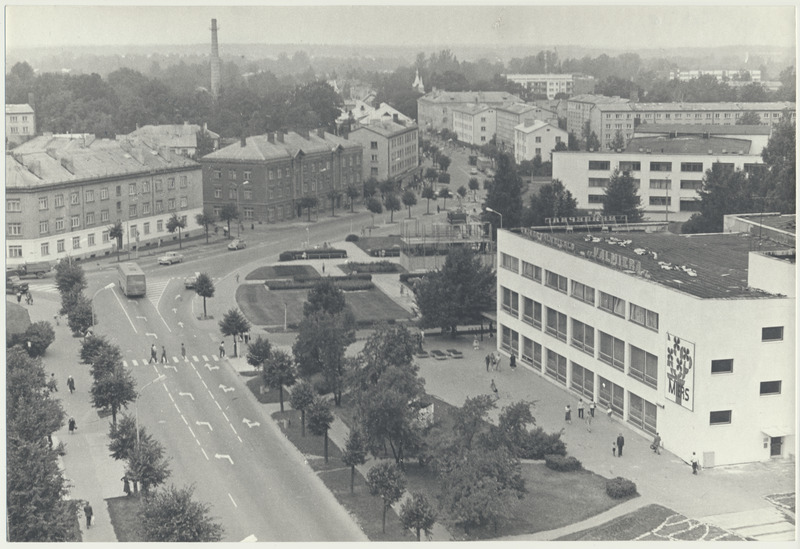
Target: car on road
x=473 y=171
x=169 y=258
x=190 y=281
x=15 y=285
x=237 y=244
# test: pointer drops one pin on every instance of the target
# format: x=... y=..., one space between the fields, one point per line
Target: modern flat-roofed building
x=64 y=191
x=267 y=175
x=688 y=336
x=535 y=137
x=551 y=84
x=435 y=109
x=180 y=139
x=511 y=116
x=391 y=149
x=474 y=124
x=757 y=135
x=667 y=170
x=20 y=123
x=743 y=75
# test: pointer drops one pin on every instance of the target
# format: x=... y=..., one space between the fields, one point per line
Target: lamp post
x=238 y=220
x=488 y=209
x=136 y=405
x=106 y=287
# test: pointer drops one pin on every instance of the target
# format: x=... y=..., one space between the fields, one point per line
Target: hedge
x=316 y=279
x=351 y=238
x=379 y=267
x=563 y=463
x=619 y=488
x=346 y=285
x=325 y=253
x=406 y=277
x=382 y=252
x=538 y=445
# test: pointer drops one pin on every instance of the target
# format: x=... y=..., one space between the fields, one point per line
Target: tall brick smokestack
x=214 y=60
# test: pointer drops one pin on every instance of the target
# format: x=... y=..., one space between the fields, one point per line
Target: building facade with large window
x=435 y=109
x=63 y=192
x=692 y=337
x=266 y=176
x=391 y=149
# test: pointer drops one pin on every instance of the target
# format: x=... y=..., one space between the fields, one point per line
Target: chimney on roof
x=395 y=118
x=270 y=137
x=321 y=133
x=279 y=136
x=66 y=163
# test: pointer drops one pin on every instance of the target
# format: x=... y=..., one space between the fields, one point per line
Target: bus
x=131 y=279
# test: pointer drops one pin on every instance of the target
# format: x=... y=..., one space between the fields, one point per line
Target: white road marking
x=144 y=317
x=226 y=417
x=240 y=439
x=224 y=456
x=205 y=358
x=234 y=503
x=210 y=367
x=176 y=407
x=194 y=358
x=125 y=363
x=134 y=362
x=126 y=312
x=217 y=403
x=204 y=453
x=226 y=389
x=234 y=429
x=250 y=424
x=184 y=420
x=175 y=359
x=180 y=323
x=207 y=424
x=206 y=386
x=215 y=357
x=190 y=430
x=171 y=367
x=190 y=395
x=150 y=333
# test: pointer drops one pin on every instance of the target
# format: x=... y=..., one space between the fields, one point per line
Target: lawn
x=124 y=513
x=379 y=243
x=281 y=271
x=269 y=396
x=266 y=308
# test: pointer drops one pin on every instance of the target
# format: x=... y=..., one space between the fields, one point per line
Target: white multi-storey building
x=536 y=138
x=474 y=124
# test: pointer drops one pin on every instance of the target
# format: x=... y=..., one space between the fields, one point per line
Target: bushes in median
x=322 y=253
x=345 y=284
x=619 y=488
x=378 y=267
x=563 y=463
x=351 y=238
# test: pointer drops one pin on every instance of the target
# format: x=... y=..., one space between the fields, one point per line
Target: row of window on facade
x=285 y=172
x=15 y=118
x=16 y=129
x=696 y=115
x=690 y=167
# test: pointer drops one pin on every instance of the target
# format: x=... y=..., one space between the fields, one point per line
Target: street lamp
x=238 y=220
x=488 y=209
x=106 y=287
x=136 y=405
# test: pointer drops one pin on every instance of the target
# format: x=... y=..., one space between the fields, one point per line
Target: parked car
x=169 y=258
x=14 y=284
x=190 y=281
x=237 y=244
x=473 y=171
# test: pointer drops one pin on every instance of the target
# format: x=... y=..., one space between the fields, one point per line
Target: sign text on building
x=617 y=260
x=680 y=372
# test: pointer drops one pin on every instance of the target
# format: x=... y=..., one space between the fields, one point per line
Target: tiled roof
x=258 y=148
x=537 y=125
x=713 y=129
x=171 y=135
x=23 y=108
x=518 y=108
x=472 y=109
x=689 y=145
x=386 y=128
x=440 y=96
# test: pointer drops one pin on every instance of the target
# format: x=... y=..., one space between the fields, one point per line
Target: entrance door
x=775 y=446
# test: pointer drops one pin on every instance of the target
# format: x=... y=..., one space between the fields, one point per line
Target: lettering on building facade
x=680 y=371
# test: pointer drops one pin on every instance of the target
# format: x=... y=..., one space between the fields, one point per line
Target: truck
x=37 y=269
x=132 y=281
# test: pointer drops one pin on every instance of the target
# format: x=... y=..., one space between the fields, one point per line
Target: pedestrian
x=614 y=449
x=163 y=355
x=475 y=345
x=421 y=340
x=88 y=512
x=488 y=361
x=28 y=298
x=153 y=354
x=19 y=297
x=609 y=411
x=512 y=361
x=580 y=408
x=71 y=384
x=237 y=278
x=493 y=387
x=620 y=443
x=323 y=268
x=72 y=425
x=589 y=423
x=494 y=361
x=56 y=318
x=247 y=338
x=222 y=349
x=568 y=414
x=695 y=464
x=491 y=329
x=656 y=446
x=438 y=209
x=183 y=351
x=592 y=406
x=498 y=358
x=126 y=485
x=52 y=384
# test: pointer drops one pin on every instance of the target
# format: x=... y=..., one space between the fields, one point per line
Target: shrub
x=619 y=488
x=562 y=463
x=539 y=444
x=321 y=386
x=315 y=279
x=376 y=267
x=322 y=253
x=351 y=238
x=345 y=284
x=410 y=277
x=443 y=178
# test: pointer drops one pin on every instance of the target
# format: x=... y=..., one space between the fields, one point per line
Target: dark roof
x=713 y=129
x=17 y=318
x=690 y=145
x=717 y=261
x=260 y=148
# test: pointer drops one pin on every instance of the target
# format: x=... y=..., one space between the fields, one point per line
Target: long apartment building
x=551 y=84
x=435 y=109
x=720 y=74
x=667 y=170
x=267 y=175
x=391 y=148
x=689 y=336
x=474 y=124
x=63 y=192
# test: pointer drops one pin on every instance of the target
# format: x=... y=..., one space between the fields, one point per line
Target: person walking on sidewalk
x=126 y=485
x=493 y=387
x=580 y=408
x=620 y=443
x=568 y=414
x=72 y=425
x=656 y=446
x=237 y=278
x=512 y=362
x=183 y=351
x=589 y=423
x=163 y=355
x=614 y=449
x=52 y=384
x=71 y=384
x=222 y=349
x=695 y=464
x=89 y=513
x=153 y=354
x=592 y=406
x=488 y=362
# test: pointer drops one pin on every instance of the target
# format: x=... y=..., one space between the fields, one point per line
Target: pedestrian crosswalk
x=170 y=361
x=47 y=288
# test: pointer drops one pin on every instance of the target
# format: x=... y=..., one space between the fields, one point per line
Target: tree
x=457 y=293
x=171 y=515
x=387 y=187
x=352 y=193
x=176 y=223
x=418 y=514
x=355 y=453
x=227 y=213
x=779 y=156
x=428 y=193
x=204 y=287
x=79 y=316
x=553 y=200
x=320 y=418
x=302 y=398
x=462 y=192
x=205 y=220
x=724 y=191
x=386 y=481
x=618 y=143
x=122 y=436
x=38 y=337
x=114 y=389
x=409 y=199
x=259 y=352
x=505 y=194
x=279 y=371
x=474 y=186
x=92 y=347
x=233 y=324
x=333 y=195
x=116 y=232
x=572 y=142
x=69 y=276
x=444 y=193
x=471 y=419
x=749 y=118
x=443 y=161
x=621 y=197
x=592 y=142
x=513 y=426
x=325 y=297
x=370 y=187
x=147 y=466
x=308 y=202
x=431 y=174
x=374 y=206
x=392 y=204
x=389 y=345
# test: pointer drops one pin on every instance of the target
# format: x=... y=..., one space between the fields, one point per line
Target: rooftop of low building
x=535 y=126
x=20 y=108
x=441 y=96
x=690 y=144
x=699 y=129
x=172 y=135
x=279 y=145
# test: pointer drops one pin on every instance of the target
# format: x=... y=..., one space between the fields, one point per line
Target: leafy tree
x=38 y=337
x=233 y=324
x=505 y=194
x=444 y=193
x=259 y=352
x=171 y=515
x=443 y=178
x=386 y=481
x=333 y=195
x=428 y=193
x=513 y=426
x=724 y=191
x=352 y=193
x=228 y=213
x=325 y=297
x=749 y=118
x=418 y=514
x=592 y=142
x=779 y=156
x=561 y=146
x=79 y=317
x=31 y=412
x=387 y=187
x=320 y=418
x=621 y=197
x=104 y=360
x=114 y=390
x=443 y=161
x=204 y=287
x=389 y=345
x=553 y=200
x=474 y=186
x=93 y=346
x=147 y=466
x=462 y=192
x=370 y=187
x=116 y=232
x=279 y=371
x=205 y=220
x=122 y=436
x=618 y=143
x=355 y=453
x=457 y=293
x=431 y=174
x=572 y=142
x=409 y=199
x=176 y=223
x=471 y=419
x=374 y=206
x=308 y=202
x=69 y=277
x=392 y=204
x=302 y=398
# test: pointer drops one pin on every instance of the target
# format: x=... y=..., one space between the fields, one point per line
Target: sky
x=402 y=23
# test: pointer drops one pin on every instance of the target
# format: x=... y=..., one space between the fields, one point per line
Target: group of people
x=27 y=295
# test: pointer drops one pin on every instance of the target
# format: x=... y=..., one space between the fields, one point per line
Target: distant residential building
x=668 y=171
x=384 y=111
x=720 y=74
x=474 y=124
x=267 y=175
x=581 y=107
x=537 y=138
x=20 y=123
x=511 y=116
x=435 y=109
x=391 y=149
x=550 y=85
x=178 y=138
x=64 y=191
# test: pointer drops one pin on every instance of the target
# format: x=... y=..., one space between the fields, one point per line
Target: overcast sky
x=626 y=27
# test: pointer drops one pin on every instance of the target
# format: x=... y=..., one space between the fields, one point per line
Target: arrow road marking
x=144 y=317
x=190 y=395
x=171 y=367
x=226 y=389
x=175 y=310
x=210 y=367
x=150 y=334
x=207 y=424
x=224 y=456
x=250 y=424
x=178 y=296
x=180 y=324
